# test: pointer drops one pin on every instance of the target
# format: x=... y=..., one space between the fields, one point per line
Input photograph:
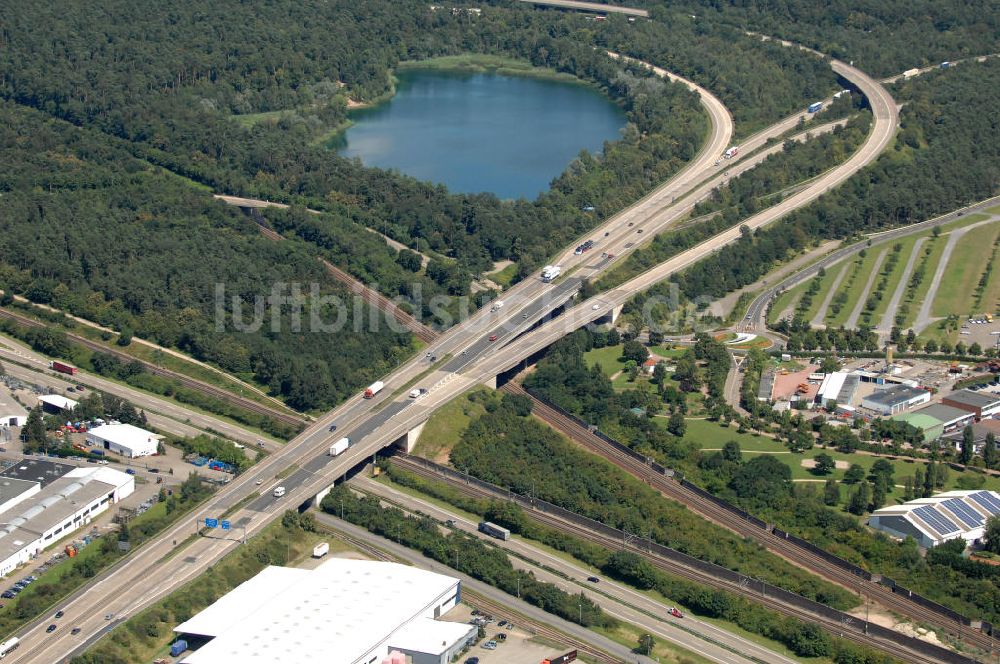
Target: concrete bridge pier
x=616 y=312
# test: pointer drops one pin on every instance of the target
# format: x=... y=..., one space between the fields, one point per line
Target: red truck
x=63 y=368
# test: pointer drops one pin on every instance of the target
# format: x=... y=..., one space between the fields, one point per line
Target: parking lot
x=519 y=647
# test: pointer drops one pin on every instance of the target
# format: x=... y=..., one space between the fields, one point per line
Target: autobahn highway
x=467 y=357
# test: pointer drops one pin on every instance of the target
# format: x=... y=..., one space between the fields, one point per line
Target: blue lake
x=472 y=132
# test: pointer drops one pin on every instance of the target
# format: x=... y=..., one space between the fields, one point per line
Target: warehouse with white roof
x=343 y=612
x=942 y=517
x=53 y=507
x=124 y=439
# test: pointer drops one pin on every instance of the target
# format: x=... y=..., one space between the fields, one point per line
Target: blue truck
x=815 y=106
x=179 y=646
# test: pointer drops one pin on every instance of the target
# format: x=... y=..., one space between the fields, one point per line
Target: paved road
x=306 y=470
x=889 y=317
x=820 y=316
x=597 y=7
x=873 y=274
x=924 y=317
x=635 y=607
x=757 y=311
x=157 y=409
x=146 y=576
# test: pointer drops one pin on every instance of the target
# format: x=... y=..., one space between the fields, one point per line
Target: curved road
x=150 y=573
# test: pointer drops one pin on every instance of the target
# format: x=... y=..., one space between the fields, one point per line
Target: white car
x=279 y=491
x=596 y=307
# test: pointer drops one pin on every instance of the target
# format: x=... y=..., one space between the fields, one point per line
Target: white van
x=279 y=491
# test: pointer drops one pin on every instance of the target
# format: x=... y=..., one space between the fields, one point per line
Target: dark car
x=472 y=660
x=60 y=614
x=333 y=427
x=51 y=628
x=7 y=594
x=593 y=579
x=76 y=630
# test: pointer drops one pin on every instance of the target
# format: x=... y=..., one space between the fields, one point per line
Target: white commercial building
x=54 y=508
x=55 y=403
x=942 y=517
x=343 y=612
x=124 y=439
x=895 y=399
x=12 y=414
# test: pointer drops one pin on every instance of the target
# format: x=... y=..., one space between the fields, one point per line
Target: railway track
x=380 y=302
x=789 y=550
x=843 y=628
x=197 y=385
x=491 y=607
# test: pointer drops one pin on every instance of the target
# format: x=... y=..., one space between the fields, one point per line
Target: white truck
x=340 y=447
x=321 y=549
x=374 y=389
x=417 y=392
x=731 y=152
x=550 y=272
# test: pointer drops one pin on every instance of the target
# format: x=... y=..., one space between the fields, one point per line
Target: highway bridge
x=473 y=352
x=591 y=7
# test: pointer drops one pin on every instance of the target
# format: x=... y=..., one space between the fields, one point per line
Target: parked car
x=472 y=660
x=490 y=645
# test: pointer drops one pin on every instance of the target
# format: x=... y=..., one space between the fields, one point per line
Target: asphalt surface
x=756 y=312
x=146 y=576
x=704 y=638
x=167 y=415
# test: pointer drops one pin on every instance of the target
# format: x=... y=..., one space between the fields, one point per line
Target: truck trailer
x=62 y=367
x=550 y=272
x=493 y=530
x=340 y=447
x=374 y=389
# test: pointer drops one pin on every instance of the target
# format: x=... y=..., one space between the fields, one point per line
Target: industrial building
x=55 y=403
x=124 y=439
x=36 y=514
x=979 y=432
x=935 y=520
x=342 y=612
x=981 y=404
x=12 y=414
x=931 y=427
x=838 y=386
x=951 y=418
x=895 y=399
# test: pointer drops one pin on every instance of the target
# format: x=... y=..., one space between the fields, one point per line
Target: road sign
x=224 y=524
x=211 y=523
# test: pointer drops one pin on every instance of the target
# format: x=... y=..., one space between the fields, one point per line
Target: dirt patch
x=811 y=463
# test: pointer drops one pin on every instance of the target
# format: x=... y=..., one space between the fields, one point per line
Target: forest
x=946 y=155
x=93 y=231
x=883 y=37
x=179 y=112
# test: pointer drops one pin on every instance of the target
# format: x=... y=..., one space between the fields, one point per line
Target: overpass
x=594 y=7
x=469 y=354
